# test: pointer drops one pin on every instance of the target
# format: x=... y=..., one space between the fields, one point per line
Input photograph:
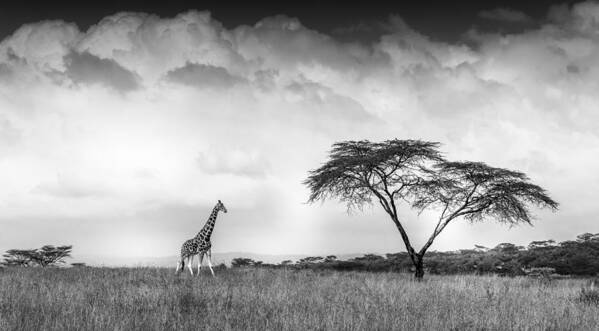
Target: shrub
x=589 y=296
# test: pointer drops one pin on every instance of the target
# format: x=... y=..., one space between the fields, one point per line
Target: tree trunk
x=419 y=265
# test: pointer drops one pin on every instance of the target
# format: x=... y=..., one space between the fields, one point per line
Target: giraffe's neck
x=206 y=231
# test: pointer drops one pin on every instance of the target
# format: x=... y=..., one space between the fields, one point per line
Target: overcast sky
x=118 y=135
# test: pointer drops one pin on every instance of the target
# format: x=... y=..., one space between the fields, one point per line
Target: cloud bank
x=139 y=116
x=505 y=15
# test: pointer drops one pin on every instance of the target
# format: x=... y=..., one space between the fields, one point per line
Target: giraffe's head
x=221 y=206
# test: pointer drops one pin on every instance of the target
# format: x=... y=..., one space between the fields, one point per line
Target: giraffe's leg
x=177 y=269
x=210 y=262
x=200 y=260
x=180 y=265
x=189 y=263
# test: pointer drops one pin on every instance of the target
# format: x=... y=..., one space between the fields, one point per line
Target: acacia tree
x=48 y=255
x=242 y=262
x=414 y=171
x=18 y=257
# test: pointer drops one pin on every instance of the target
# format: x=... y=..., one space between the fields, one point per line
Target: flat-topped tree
x=50 y=255
x=46 y=256
x=359 y=171
x=18 y=257
x=414 y=171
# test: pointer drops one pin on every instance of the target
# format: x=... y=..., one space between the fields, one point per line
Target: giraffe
x=200 y=244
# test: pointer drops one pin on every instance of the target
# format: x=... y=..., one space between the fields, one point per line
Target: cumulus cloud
x=152 y=46
x=87 y=68
x=582 y=17
x=42 y=45
x=203 y=76
x=505 y=15
x=265 y=104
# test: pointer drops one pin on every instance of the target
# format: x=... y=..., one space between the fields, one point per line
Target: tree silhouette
x=242 y=262
x=18 y=257
x=414 y=171
x=50 y=255
x=330 y=258
x=46 y=256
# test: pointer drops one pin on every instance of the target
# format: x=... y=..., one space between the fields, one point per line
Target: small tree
x=18 y=257
x=51 y=256
x=587 y=237
x=46 y=256
x=413 y=170
x=330 y=258
x=310 y=259
x=242 y=262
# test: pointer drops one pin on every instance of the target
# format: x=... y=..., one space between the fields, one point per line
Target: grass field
x=155 y=299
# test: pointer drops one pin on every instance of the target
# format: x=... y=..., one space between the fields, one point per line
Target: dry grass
x=154 y=299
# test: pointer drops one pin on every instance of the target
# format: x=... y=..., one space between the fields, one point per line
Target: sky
x=122 y=125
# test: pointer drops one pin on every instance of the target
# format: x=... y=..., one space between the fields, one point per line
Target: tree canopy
x=358 y=170
x=478 y=192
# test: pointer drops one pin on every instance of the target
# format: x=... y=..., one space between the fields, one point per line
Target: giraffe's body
x=200 y=244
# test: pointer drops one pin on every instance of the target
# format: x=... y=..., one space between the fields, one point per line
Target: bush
x=589 y=296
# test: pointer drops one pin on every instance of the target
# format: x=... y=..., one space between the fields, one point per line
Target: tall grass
x=155 y=299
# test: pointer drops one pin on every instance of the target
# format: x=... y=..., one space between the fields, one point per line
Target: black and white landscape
x=353 y=146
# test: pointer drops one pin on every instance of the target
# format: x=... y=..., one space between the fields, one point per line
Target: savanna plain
x=262 y=299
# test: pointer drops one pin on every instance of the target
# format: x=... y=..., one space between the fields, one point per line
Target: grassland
x=154 y=299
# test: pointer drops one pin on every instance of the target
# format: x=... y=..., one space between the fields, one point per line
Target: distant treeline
x=579 y=257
